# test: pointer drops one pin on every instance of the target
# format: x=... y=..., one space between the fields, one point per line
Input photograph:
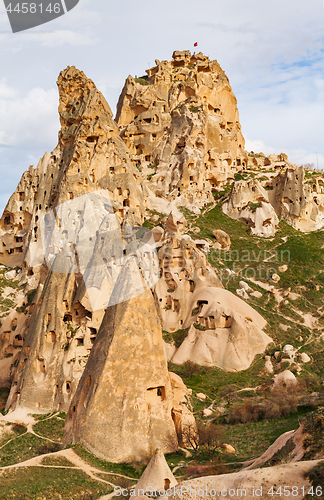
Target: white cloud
x=259 y=146
x=302 y=157
x=59 y=37
x=29 y=120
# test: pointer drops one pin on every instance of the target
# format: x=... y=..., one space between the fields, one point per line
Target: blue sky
x=272 y=52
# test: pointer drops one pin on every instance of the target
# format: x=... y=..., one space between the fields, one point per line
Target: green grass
x=51 y=428
x=6 y=305
x=251 y=256
x=213 y=381
x=281 y=456
x=314 y=429
x=32 y=483
x=141 y=80
x=252 y=439
x=125 y=469
x=21 y=449
x=175 y=337
x=316 y=477
x=57 y=461
x=254 y=206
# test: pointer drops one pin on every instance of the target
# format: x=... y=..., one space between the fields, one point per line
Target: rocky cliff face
x=298 y=201
x=82 y=253
x=88 y=142
x=122 y=408
x=182 y=122
x=285 y=194
x=86 y=336
x=84 y=190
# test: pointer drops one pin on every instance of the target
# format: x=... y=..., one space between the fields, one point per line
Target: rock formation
x=249 y=203
x=86 y=333
x=286 y=196
x=157 y=476
x=121 y=410
x=224 y=331
x=298 y=203
x=181 y=124
x=183 y=419
x=76 y=199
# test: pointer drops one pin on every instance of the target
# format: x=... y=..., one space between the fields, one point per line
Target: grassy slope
x=305 y=265
x=303 y=254
x=35 y=483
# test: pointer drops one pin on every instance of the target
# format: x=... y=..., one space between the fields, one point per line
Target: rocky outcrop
x=249 y=203
x=88 y=339
x=74 y=247
x=182 y=417
x=122 y=408
x=90 y=155
x=184 y=271
x=287 y=196
x=224 y=331
x=181 y=124
x=260 y=482
x=298 y=201
x=157 y=476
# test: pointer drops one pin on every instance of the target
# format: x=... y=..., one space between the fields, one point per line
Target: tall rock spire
x=70 y=207
x=121 y=410
x=181 y=119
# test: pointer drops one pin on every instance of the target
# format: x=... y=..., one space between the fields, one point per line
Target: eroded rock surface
x=181 y=124
x=122 y=408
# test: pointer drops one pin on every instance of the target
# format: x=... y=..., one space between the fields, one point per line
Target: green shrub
x=314 y=427
x=141 y=80
x=30 y=295
x=19 y=428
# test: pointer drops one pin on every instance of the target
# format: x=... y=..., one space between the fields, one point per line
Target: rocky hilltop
x=113 y=282
x=182 y=121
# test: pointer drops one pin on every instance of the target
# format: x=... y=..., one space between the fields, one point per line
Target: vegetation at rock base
x=157 y=156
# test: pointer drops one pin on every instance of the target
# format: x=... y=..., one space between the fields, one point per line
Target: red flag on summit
x=196 y=44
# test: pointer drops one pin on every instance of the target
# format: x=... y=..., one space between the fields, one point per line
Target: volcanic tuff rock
x=182 y=121
x=157 y=475
x=67 y=215
x=249 y=203
x=72 y=226
x=80 y=204
x=287 y=196
x=88 y=142
x=224 y=331
x=296 y=201
x=121 y=410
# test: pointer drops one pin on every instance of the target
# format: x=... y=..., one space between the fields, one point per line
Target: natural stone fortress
x=86 y=335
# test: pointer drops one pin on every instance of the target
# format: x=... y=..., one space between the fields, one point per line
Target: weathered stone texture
x=183 y=122
x=122 y=408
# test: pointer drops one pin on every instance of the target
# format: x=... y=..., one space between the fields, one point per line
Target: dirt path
x=69 y=454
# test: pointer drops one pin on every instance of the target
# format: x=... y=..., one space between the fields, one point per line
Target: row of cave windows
x=50 y=337
x=14 y=250
x=152 y=395
x=209 y=321
x=8 y=222
x=21 y=195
